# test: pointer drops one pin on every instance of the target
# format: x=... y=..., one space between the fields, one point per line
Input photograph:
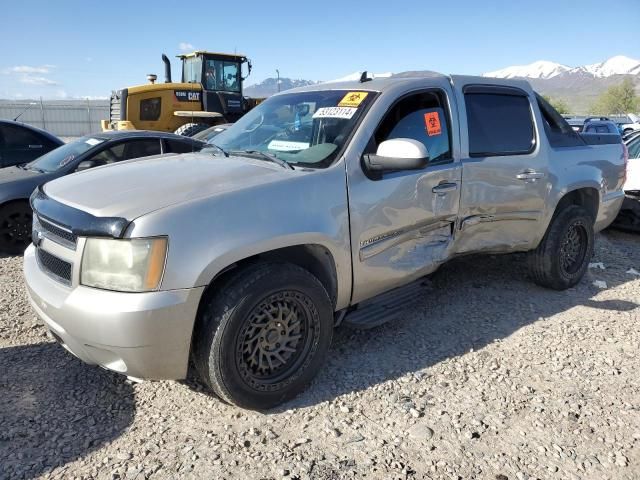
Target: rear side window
x=499 y=124
x=597 y=129
x=176 y=146
x=559 y=132
x=17 y=137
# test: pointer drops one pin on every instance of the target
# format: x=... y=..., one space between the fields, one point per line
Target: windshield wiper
x=224 y=152
x=26 y=166
x=268 y=156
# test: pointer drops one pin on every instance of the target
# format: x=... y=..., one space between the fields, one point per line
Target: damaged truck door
x=402 y=221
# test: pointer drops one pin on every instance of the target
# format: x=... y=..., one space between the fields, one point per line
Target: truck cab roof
x=382 y=84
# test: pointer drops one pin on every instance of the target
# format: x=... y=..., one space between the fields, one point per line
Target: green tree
x=560 y=105
x=618 y=100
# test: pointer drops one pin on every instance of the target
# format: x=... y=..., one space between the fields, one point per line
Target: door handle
x=444 y=188
x=35 y=146
x=530 y=175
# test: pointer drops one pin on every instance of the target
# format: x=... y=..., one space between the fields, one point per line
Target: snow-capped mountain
x=540 y=69
x=618 y=65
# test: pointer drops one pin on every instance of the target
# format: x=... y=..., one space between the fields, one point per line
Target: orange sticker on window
x=353 y=99
x=432 y=122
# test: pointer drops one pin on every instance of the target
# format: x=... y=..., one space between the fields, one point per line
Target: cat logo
x=353 y=99
x=187 y=95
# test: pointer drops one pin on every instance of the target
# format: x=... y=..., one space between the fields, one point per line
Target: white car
x=629 y=216
x=633 y=167
x=633 y=125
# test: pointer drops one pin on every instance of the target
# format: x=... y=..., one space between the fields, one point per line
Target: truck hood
x=137 y=187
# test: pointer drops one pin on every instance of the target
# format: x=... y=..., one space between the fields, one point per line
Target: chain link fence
x=64 y=118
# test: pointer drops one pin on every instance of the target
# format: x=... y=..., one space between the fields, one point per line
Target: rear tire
x=263 y=335
x=190 y=129
x=16 y=221
x=563 y=256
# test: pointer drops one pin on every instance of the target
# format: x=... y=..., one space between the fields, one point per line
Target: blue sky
x=61 y=49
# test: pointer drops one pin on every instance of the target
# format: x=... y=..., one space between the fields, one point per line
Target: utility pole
x=44 y=125
x=278 y=81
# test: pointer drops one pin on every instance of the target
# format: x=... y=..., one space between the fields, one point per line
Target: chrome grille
x=55 y=233
x=56 y=267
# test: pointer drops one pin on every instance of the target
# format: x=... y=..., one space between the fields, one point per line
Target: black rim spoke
x=275 y=339
x=573 y=248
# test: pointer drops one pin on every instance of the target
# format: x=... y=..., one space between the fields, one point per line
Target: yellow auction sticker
x=353 y=99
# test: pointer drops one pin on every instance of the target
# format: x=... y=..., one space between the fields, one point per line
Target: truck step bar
x=385 y=307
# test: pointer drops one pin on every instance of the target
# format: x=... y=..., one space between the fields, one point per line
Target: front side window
x=420 y=117
x=306 y=129
x=499 y=124
x=150 y=109
x=141 y=148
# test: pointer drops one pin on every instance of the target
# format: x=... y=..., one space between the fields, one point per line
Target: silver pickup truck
x=243 y=258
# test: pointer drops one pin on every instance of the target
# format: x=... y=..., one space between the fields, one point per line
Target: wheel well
x=314 y=258
x=588 y=198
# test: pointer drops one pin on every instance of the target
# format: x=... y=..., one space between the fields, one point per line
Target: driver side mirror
x=398 y=154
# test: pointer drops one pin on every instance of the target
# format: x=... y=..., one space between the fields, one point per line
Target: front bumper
x=142 y=335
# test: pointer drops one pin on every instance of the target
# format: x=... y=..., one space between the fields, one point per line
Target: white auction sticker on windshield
x=287 y=146
x=93 y=141
x=335 y=112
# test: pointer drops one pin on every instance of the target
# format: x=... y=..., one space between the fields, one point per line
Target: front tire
x=190 y=129
x=16 y=220
x=263 y=335
x=562 y=258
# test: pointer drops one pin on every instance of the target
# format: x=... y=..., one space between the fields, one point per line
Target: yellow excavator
x=209 y=93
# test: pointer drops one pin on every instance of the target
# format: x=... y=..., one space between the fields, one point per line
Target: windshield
x=307 y=129
x=61 y=156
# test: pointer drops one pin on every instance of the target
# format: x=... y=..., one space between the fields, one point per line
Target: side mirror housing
x=86 y=165
x=398 y=154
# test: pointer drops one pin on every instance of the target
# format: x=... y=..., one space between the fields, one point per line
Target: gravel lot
x=486 y=376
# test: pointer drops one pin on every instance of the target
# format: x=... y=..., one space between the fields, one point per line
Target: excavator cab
x=221 y=77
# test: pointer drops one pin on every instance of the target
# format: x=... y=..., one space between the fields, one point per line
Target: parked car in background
x=600 y=126
x=629 y=216
x=211 y=132
x=630 y=123
x=18 y=182
x=22 y=143
x=318 y=201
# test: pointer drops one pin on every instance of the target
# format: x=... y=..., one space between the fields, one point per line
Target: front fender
x=210 y=234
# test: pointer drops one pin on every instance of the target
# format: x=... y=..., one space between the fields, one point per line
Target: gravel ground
x=487 y=376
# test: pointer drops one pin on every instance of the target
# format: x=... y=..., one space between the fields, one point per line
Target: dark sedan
x=21 y=143
x=17 y=183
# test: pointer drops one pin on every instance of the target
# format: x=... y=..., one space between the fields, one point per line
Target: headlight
x=130 y=265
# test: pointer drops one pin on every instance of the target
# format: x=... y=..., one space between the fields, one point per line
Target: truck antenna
x=365 y=77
